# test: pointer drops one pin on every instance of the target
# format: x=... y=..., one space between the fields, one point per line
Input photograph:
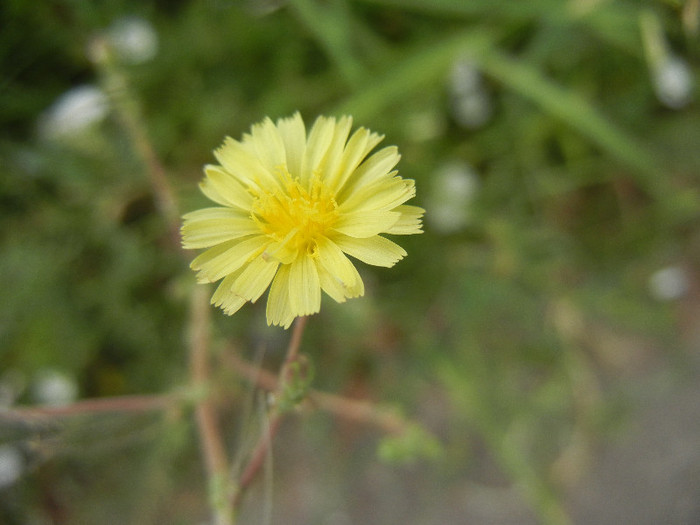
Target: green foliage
x=411 y=444
x=508 y=332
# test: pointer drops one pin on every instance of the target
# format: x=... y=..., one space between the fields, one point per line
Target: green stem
x=261 y=449
x=128 y=112
x=213 y=450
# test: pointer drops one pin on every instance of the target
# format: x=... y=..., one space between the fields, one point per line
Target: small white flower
x=673 y=82
x=473 y=110
x=669 y=283
x=134 y=40
x=470 y=102
x=54 y=388
x=11 y=465
x=73 y=112
x=454 y=188
x=464 y=77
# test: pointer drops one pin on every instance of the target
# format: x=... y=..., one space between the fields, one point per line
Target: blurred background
x=542 y=333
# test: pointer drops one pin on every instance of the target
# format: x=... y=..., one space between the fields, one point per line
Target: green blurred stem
x=213 y=450
x=294 y=344
x=576 y=111
x=655 y=46
x=491 y=414
x=261 y=449
x=351 y=409
x=128 y=112
x=528 y=480
x=331 y=26
x=427 y=67
x=133 y=403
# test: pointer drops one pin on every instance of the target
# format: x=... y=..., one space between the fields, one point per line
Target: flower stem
x=294 y=344
x=129 y=114
x=351 y=409
x=213 y=450
x=261 y=449
x=127 y=110
x=135 y=403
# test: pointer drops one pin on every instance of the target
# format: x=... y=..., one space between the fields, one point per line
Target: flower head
x=291 y=208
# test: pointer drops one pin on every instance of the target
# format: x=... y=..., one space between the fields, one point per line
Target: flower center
x=296 y=216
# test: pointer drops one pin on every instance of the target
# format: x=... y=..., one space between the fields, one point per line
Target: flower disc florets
x=292 y=206
x=296 y=216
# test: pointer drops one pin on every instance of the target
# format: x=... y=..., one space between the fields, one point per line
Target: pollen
x=296 y=215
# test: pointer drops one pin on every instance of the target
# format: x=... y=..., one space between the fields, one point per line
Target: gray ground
x=648 y=473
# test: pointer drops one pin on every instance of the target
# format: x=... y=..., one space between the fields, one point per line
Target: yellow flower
x=292 y=206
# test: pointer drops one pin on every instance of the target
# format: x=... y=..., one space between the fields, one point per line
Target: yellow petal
x=279 y=311
x=227 y=257
x=282 y=251
x=215 y=212
x=232 y=303
x=304 y=286
x=363 y=224
x=223 y=289
x=357 y=289
x=411 y=221
x=268 y=145
x=384 y=194
x=376 y=251
x=226 y=187
x=320 y=137
x=331 y=285
x=334 y=262
x=210 y=226
x=225 y=298
x=241 y=161
x=371 y=170
x=360 y=144
x=255 y=278
x=293 y=136
x=332 y=160
x=211 y=193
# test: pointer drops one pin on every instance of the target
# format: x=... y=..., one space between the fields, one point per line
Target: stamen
x=295 y=216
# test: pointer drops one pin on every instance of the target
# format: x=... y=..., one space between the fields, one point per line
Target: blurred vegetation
x=507 y=332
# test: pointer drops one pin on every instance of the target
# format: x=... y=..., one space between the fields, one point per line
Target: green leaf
x=422 y=68
x=575 y=110
x=412 y=444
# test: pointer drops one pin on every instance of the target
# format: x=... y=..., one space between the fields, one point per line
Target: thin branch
x=129 y=113
x=360 y=411
x=136 y=403
x=257 y=458
x=294 y=342
x=213 y=449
